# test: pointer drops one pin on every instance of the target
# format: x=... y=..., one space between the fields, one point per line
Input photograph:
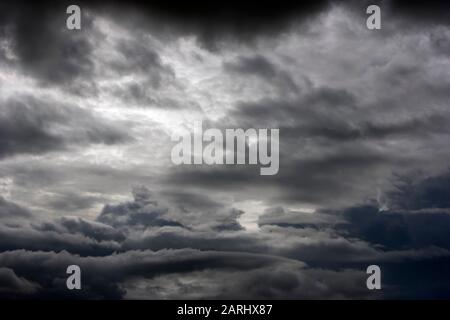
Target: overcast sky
x=86 y=178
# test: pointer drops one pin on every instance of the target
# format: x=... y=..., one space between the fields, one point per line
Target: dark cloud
x=257 y=65
x=324 y=113
x=332 y=140
x=71 y=202
x=90 y=229
x=172 y=209
x=261 y=67
x=140 y=213
x=12 y=286
x=31 y=125
x=317 y=180
x=414 y=204
x=214 y=23
x=278 y=216
x=177 y=238
x=421 y=193
x=192 y=201
x=103 y=277
x=429 y=12
x=44 y=46
x=441 y=42
x=354 y=110
x=139 y=58
x=43 y=238
x=286 y=281
x=66 y=56
x=269 y=263
x=11 y=210
x=394 y=230
x=22 y=130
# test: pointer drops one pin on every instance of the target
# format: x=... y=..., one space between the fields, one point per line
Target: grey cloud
x=369 y=106
x=262 y=276
x=177 y=238
x=281 y=217
x=48 y=238
x=45 y=48
x=22 y=130
x=395 y=223
x=325 y=113
x=192 y=201
x=172 y=209
x=261 y=67
x=218 y=23
x=12 y=210
x=285 y=281
x=398 y=230
x=30 y=125
x=441 y=42
x=322 y=246
x=103 y=276
x=319 y=180
x=139 y=58
x=289 y=284
x=333 y=140
x=90 y=229
x=429 y=12
x=140 y=213
x=253 y=259
x=430 y=192
x=12 y=286
x=71 y=202
x=200 y=209
x=398 y=222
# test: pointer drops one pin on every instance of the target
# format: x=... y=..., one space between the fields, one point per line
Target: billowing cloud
x=87 y=115
x=34 y=126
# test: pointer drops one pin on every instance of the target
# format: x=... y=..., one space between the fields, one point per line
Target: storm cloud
x=86 y=119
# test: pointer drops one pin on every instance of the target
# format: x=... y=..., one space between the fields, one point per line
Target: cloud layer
x=86 y=117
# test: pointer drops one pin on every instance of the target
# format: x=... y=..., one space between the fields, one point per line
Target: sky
x=86 y=178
